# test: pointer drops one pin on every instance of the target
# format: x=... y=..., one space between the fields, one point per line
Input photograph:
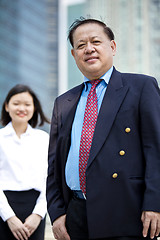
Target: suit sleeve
x=150 y=133
x=55 y=202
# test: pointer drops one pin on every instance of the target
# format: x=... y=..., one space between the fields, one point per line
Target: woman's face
x=20 y=107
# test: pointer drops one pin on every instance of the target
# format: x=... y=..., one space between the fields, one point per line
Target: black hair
x=38 y=112
x=81 y=21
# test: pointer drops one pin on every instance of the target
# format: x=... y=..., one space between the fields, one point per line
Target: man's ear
x=113 y=46
x=72 y=52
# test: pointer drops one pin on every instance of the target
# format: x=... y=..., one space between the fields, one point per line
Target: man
x=104 y=155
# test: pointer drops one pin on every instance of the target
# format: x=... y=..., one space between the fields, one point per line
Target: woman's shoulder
x=6 y=129
x=39 y=136
x=40 y=133
x=2 y=132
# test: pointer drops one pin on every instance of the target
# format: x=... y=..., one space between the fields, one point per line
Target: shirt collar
x=105 y=77
x=9 y=130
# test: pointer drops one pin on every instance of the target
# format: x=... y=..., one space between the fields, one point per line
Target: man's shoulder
x=137 y=78
x=133 y=75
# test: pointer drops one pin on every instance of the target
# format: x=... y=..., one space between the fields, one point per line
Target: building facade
x=28 y=48
x=34 y=48
x=137 y=33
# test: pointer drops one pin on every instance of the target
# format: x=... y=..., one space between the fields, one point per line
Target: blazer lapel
x=71 y=105
x=112 y=101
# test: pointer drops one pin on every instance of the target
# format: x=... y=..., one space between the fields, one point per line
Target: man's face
x=93 y=51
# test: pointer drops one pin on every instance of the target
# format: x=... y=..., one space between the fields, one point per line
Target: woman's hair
x=38 y=112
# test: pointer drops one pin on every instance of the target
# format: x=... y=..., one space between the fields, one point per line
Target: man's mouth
x=91 y=59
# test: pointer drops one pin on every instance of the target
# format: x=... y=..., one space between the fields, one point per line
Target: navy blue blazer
x=123 y=171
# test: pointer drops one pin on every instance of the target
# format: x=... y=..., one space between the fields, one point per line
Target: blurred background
x=34 y=49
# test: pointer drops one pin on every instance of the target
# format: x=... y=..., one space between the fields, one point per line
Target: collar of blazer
x=112 y=101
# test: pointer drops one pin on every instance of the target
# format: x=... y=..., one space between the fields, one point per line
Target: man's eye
x=96 y=41
x=81 y=45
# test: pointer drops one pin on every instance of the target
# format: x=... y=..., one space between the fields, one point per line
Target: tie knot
x=95 y=82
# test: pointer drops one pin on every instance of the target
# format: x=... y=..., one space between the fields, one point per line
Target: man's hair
x=81 y=21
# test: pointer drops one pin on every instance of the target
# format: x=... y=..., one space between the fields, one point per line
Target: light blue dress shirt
x=72 y=165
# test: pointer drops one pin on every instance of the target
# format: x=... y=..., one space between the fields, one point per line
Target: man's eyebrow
x=81 y=40
x=95 y=37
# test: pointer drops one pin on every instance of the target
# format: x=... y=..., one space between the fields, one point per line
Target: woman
x=23 y=166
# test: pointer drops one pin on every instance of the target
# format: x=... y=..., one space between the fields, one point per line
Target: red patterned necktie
x=89 y=123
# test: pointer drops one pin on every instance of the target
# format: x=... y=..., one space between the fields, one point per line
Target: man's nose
x=89 y=48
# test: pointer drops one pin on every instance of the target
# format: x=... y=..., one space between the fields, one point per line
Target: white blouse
x=23 y=166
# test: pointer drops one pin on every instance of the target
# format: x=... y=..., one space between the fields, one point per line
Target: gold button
x=127 y=130
x=115 y=175
x=122 y=152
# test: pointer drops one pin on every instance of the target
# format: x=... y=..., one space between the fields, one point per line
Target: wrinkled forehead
x=88 y=30
x=88 y=27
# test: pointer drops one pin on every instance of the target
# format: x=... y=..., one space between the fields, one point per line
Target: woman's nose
x=21 y=107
